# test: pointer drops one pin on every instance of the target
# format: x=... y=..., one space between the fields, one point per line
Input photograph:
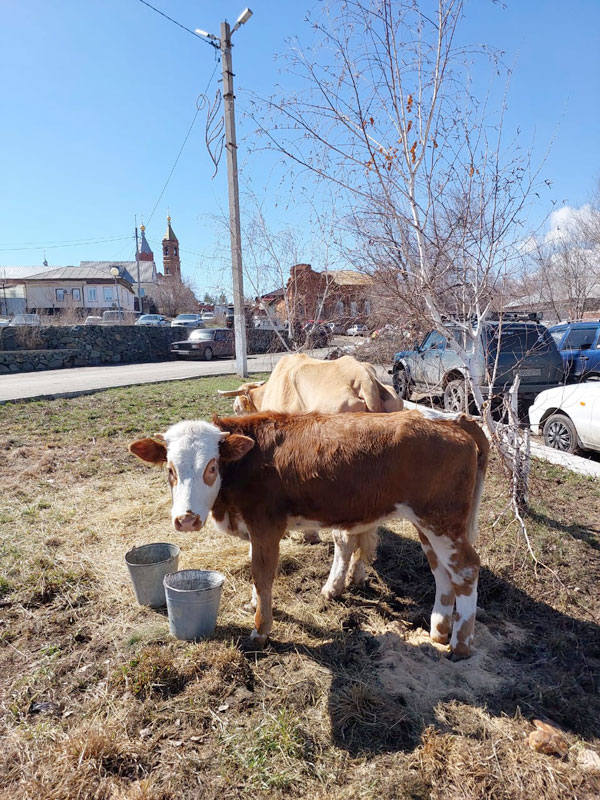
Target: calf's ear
x=150 y=450
x=235 y=446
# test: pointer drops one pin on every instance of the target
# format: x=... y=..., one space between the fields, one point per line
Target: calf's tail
x=483 y=448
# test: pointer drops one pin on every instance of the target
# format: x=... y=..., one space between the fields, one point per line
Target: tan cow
x=300 y=384
x=260 y=474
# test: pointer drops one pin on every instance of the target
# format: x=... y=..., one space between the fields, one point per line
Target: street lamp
x=115 y=273
x=224 y=44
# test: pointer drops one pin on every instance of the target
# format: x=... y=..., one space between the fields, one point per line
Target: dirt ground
x=349 y=700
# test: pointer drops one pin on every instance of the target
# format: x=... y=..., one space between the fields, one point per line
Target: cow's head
x=247 y=399
x=192 y=452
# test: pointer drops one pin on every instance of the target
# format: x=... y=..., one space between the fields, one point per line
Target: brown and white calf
x=261 y=474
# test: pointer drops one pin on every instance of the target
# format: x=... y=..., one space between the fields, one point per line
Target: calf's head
x=193 y=452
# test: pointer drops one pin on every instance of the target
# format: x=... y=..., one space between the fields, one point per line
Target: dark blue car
x=579 y=345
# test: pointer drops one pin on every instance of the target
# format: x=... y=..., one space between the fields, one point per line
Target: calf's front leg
x=265 y=555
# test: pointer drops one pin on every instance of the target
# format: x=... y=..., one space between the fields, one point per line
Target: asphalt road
x=83 y=380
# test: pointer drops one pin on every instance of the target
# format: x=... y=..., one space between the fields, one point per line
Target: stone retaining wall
x=25 y=349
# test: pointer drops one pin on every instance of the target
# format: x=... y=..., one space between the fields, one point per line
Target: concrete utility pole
x=224 y=44
x=239 y=323
x=137 y=261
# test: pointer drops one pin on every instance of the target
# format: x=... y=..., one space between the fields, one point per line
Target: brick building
x=332 y=296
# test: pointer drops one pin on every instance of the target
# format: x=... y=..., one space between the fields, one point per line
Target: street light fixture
x=224 y=44
x=114 y=271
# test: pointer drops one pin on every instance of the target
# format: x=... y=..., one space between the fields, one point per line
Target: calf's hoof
x=312 y=537
x=439 y=638
x=256 y=640
x=459 y=654
x=330 y=593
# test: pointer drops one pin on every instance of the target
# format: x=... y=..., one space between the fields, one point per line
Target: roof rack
x=516 y=316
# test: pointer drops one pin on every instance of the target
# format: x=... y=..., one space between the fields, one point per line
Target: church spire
x=170 y=245
x=145 y=252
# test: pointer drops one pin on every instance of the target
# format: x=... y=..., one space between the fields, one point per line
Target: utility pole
x=239 y=324
x=137 y=263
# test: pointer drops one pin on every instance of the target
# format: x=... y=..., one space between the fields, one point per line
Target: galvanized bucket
x=193 y=597
x=147 y=567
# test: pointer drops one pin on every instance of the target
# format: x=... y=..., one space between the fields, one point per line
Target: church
x=91 y=288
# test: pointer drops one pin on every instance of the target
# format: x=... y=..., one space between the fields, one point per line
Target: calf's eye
x=210 y=472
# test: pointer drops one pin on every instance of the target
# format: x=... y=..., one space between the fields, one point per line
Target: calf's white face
x=192 y=451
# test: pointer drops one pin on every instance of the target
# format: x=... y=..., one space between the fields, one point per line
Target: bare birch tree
x=432 y=195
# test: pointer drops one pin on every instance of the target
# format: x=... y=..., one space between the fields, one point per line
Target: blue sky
x=97 y=97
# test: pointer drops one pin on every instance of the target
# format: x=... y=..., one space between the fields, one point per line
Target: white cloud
x=563 y=223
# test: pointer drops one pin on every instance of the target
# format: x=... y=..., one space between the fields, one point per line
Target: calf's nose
x=188 y=522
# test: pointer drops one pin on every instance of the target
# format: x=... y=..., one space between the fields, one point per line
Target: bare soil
x=349 y=700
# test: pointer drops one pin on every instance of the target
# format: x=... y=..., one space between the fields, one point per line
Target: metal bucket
x=193 y=597
x=147 y=567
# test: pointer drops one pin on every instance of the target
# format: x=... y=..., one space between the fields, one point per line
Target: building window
x=60 y=295
x=166 y=270
x=142 y=292
x=367 y=306
x=166 y=250
x=353 y=307
x=108 y=294
x=339 y=308
x=76 y=294
x=92 y=294
x=174 y=251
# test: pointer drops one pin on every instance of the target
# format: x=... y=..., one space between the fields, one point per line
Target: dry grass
x=350 y=700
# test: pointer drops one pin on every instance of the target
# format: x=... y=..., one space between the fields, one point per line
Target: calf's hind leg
x=441 y=615
x=345 y=544
x=461 y=562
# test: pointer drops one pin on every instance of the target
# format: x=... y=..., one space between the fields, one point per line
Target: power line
x=187 y=136
x=43 y=246
x=183 y=27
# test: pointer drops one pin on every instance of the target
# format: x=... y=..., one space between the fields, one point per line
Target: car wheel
x=455 y=396
x=208 y=354
x=401 y=384
x=561 y=434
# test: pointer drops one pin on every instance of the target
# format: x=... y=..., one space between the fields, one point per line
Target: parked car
x=4 y=321
x=509 y=348
x=188 y=321
x=26 y=319
x=358 y=329
x=207 y=343
x=336 y=327
x=568 y=417
x=156 y=320
x=579 y=345
x=208 y=316
x=93 y=320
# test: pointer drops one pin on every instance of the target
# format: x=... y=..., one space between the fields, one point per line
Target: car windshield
x=201 y=334
x=187 y=316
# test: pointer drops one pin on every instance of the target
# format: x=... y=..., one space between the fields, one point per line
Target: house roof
x=348 y=277
x=19 y=273
x=128 y=269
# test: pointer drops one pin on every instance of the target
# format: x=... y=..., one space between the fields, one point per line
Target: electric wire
x=187 y=136
x=183 y=27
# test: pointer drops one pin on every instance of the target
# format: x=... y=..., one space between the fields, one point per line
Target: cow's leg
x=462 y=563
x=265 y=555
x=345 y=545
x=311 y=536
x=363 y=554
x=441 y=616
